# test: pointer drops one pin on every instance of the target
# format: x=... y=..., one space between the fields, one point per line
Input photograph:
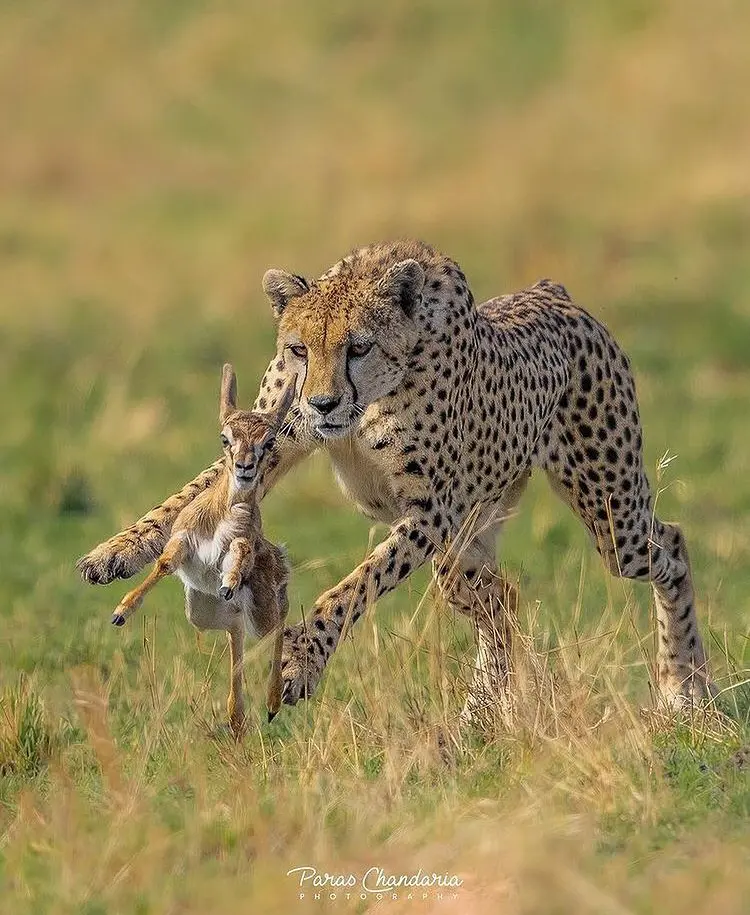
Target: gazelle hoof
x=226 y=593
x=271 y=715
x=118 y=619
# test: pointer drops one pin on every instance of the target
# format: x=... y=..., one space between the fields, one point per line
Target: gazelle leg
x=273 y=701
x=235 y=701
x=238 y=558
x=170 y=559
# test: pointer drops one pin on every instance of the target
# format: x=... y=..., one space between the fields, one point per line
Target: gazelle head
x=247 y=437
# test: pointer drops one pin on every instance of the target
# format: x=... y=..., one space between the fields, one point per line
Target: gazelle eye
x=299 y=350
x=224 y=440
x=359 y=349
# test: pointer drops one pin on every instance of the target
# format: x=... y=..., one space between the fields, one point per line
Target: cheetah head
x=347 y=337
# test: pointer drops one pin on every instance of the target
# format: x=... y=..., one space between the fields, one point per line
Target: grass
x=156 y=159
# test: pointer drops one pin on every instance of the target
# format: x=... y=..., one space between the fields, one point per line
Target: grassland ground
x=155 y=160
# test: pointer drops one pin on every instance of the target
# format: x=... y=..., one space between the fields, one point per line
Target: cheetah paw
x=682 y=694
x=301 y=666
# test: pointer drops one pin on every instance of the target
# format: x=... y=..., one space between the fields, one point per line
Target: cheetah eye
x=299 y=350
x=224 y=441
x=360 y=349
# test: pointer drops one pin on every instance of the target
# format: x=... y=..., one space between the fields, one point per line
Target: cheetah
x=434 y=412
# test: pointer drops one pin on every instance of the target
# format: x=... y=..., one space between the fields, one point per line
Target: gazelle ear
x=285 y=402
x=402 y=283
x=281 y=287
x=228 y=397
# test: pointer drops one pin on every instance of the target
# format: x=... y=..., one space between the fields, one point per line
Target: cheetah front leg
x=469 y=580
x=127 y=552
x=307 y=647
x=471 y=585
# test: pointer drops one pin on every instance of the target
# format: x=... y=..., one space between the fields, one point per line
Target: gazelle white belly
x=200 y=573
x=208 y=611
x=195 y=575
x=201 y=567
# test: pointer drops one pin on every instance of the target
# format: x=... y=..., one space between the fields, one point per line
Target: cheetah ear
x=403 y=283
x=281 y=287
x=228 y=397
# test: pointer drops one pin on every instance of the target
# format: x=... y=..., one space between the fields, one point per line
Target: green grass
x=156 y=159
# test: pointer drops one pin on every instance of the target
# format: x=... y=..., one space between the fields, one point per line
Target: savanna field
x=155 y=159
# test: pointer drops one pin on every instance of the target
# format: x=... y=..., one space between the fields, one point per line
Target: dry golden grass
x=176 y=816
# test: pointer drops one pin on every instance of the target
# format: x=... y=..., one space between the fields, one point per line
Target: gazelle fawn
x=234 y=578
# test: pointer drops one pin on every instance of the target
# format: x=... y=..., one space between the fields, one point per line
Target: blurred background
x=156 y=158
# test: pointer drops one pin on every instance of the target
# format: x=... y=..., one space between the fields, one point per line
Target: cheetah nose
x=323 y=403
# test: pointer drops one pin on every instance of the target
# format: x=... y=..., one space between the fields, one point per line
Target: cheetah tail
x=129 y=551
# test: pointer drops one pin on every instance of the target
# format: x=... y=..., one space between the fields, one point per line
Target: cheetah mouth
x=332 y=430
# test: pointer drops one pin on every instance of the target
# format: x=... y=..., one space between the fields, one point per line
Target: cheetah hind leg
x=681 y=670
x=635 y=544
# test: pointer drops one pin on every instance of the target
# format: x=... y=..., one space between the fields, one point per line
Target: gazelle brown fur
x=234 y=578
